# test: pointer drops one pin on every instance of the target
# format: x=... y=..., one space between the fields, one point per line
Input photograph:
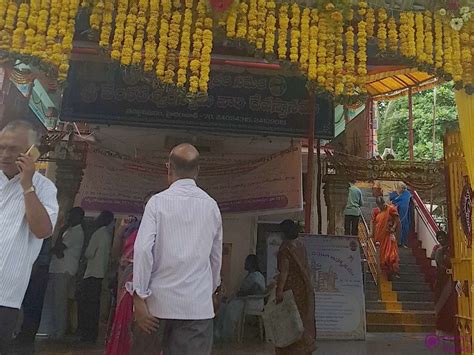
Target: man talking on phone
x=28 y=213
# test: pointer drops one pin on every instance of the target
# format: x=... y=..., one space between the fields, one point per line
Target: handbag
x=282 y=321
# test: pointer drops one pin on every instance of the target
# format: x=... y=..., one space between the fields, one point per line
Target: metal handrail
x=370 y=251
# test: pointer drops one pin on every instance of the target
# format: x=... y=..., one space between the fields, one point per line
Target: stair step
x=401 y=285
x=372 y=295
x=414 y=296
x=412 y=277
x=410 y=269
x=400 y=328
x=407 y=306
x=403 y=317
x=422 y=306
x=407 y=261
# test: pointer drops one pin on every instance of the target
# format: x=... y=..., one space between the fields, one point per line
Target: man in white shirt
x=177 y=264
x=64 y=265
x=97 y=255
x=28 y=213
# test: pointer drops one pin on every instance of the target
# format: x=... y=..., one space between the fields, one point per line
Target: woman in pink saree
x=119 y=340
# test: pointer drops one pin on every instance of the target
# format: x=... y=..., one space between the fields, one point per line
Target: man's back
x=354 y=201
x=180 y=242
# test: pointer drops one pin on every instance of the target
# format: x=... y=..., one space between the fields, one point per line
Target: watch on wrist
x=27 y=191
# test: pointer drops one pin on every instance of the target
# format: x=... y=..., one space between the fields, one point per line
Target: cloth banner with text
x=270 y=184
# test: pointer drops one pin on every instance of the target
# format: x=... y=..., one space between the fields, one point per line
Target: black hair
x=252 y=261
x=104 y=219
x=441 y=233
x=290 y=229
x=75 y=216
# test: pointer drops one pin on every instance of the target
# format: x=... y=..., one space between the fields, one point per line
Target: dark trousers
x=89 y=308
x=175 y=337
x=8 y=318
x=33 y=304
x=351 y=225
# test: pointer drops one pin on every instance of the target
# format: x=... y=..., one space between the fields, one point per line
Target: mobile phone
x=33 y=152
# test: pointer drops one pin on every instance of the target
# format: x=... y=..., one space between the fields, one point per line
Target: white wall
x=241 y=231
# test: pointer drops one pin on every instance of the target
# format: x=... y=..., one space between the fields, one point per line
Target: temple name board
x=239 y=101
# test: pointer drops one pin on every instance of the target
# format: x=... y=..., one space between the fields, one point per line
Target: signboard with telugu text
x=239 y=101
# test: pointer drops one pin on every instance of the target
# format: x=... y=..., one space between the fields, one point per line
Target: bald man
x=177 y=264
x=28 y=212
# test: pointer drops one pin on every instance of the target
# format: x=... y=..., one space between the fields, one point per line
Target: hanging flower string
x=173 y=40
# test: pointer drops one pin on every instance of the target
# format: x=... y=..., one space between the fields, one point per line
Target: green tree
x=393 y=123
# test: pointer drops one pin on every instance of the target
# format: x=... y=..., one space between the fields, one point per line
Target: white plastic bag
x=283 y=323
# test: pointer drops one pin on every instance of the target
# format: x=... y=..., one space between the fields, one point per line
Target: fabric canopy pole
x=465 y=105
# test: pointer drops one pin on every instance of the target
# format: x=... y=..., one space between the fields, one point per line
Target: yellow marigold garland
x=242 y=21
x=295 y=33
x=304 y=43
x=370 y=20
x=392 y=35
x=163 y=39
x=411 y=35
x=403 y=34
x=350 y=66
x=252 y=22
x=261 y=32
x=339 y=59
x=67 y=39
x=322 y=42
x=283 y=22
x=42 y=27
x=270 y=25
x=7 y=31
x=313 y=46
x=185 y=44
x=142 y=21
x=151 y=31
x=195 y=64
x=362 y=55
x=95 y=20
x=457 y=65
x=429 y=50
x=448 y=50
x=466 y=54
x=119 y=31
x=330 y=58
x=173 y=42
x=439 y=49
x=231 y=22
x=130 y=28
x=420 y=37
x=52 y=32
x=207 y=39
x=106 y=29
x=3 y=12
x=19 y=33
x=381 y=29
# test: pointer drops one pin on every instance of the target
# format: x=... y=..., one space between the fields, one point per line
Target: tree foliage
x=393 y=123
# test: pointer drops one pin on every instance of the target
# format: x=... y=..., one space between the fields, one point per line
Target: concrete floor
x=375 y=344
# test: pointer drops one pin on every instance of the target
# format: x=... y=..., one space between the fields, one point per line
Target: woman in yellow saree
x=386 y=229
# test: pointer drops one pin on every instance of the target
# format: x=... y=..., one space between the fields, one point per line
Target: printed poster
x=337 y=278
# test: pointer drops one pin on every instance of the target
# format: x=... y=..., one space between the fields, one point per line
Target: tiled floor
x=375 y=344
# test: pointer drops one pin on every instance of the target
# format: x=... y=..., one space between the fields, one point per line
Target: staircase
x=403 y=305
